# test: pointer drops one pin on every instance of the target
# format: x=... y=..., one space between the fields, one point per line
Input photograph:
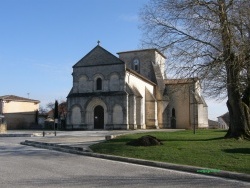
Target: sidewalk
x=78 y=142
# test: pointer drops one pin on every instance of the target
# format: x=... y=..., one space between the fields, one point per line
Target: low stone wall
x=3 y=128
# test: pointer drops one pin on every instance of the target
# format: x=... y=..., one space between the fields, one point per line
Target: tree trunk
x=239 y=120
x=238 y=110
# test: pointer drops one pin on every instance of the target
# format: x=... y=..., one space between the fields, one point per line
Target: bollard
x=43 y=133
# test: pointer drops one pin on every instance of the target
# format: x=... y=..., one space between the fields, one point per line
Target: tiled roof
x=17 y=98
x=98 y=56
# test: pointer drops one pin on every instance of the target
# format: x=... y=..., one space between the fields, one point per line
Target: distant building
x=19 y=112
x=224 y=121
x=132 y=92
x=213 y=124
x=62 y=112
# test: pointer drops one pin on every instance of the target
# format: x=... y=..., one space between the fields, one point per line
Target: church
x=131 y=91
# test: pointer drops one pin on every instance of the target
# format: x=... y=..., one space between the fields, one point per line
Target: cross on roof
x=98 y=42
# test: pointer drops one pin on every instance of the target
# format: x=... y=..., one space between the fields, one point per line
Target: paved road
x=24 y=166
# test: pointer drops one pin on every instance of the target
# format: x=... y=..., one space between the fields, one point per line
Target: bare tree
x=42 y=110
x=209 y=39
x=50 y=106
x=62 y=109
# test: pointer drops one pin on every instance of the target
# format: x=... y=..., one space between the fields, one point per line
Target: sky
x=40 y=41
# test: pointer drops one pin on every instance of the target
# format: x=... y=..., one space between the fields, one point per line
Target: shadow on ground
x=238 y=150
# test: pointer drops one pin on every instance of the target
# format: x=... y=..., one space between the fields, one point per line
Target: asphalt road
x=25 y=166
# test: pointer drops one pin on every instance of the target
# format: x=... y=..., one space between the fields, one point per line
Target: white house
x=19 y=112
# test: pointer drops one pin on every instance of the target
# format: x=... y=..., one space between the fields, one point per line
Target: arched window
x=136 y=65
x=99 y=84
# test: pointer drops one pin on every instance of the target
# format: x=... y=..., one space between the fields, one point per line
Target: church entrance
x=99 y=117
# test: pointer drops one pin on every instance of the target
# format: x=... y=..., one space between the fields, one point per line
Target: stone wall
x=115 y=111
x=189 y=107
x=179 y=105
x=146 y=58
x=112 y=76
x=86 y=96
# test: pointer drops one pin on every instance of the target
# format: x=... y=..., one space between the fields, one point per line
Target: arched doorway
x=99 y=117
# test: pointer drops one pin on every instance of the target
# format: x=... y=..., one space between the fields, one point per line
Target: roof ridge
x=17 y=98
x=92 y=60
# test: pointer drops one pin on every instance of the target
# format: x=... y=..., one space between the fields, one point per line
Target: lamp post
x=55 y=116
x=193 y=103
x=194 y=111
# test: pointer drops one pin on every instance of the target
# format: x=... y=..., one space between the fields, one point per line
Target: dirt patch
x=145 y=141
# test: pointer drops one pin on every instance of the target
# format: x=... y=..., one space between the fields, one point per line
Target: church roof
x=98 y=56
x=150 y=49
x=140 y=76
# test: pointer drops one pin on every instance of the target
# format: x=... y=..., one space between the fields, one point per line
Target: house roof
x=98 y=56
x=17 y=98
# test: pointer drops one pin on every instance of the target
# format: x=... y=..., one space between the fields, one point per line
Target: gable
x=98 y=57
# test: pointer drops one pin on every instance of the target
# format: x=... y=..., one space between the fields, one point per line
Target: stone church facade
x=131 y=92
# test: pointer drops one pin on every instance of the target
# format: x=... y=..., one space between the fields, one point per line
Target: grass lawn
x=206 y=148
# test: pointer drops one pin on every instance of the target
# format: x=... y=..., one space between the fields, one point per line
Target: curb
x=51 y=146
x=16 y=135
x=25 y=134
x=185 y=168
